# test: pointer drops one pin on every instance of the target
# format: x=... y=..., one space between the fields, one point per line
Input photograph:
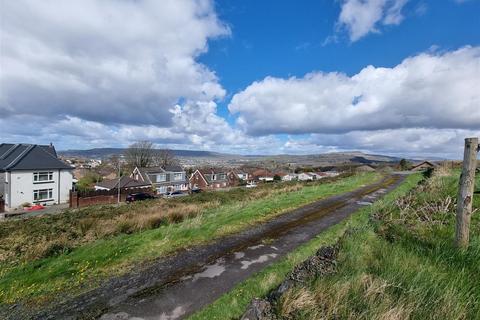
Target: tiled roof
x=125 y=182
x=29 y=157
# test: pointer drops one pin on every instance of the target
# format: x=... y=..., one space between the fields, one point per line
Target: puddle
x=212 y=270
x=239 y=255
x=364 y=203
x=256 y=247
x=175 y=314
x=261 y=259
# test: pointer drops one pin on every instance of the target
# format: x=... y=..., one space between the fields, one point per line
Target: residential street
x=177 y=286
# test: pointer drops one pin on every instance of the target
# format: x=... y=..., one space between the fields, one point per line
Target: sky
x=396 y=77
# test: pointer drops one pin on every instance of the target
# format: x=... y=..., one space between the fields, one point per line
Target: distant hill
x=106 y=152
x=323 y=159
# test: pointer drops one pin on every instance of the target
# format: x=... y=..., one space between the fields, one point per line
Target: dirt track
x=177 y=286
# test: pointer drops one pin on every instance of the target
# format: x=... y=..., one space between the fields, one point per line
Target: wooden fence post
x=465 y=192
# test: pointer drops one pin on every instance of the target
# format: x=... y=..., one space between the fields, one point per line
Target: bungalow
x=263 y=175
x=424 y=165
x=209 y=179
x=31 y=173
x=290 y=177
x=164 y=179
x=307 y=176
x=125 y=184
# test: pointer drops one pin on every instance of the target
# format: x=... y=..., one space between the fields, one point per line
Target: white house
x=33 y=174
x=307 y=176
x=290 y=177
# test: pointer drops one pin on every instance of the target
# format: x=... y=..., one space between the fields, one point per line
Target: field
x=397 y=262
x=69 y=253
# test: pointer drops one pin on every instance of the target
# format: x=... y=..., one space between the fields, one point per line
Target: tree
x=115 y=163
x=404 y=164
x=277 y=178
x=140 y=154
x=164 y=158
x=88 y=181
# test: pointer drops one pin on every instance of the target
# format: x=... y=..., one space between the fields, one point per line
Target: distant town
x=38 y=177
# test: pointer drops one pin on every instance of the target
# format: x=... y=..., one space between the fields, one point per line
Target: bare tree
x=115 y=162
x=140 y=154
x=165 y=157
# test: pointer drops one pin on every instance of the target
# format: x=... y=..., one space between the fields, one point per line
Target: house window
x=161 y=177
x=221 y=176
x=42 y=194
x=214 y=177
x=178 y=176
x=162 y=189
x=43 y=176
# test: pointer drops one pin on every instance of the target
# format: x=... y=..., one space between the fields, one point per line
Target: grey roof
x=173 y=168
x=208 y=175
x=147 y=171
x=125 y=182
x=29 y=157
x=159 y=169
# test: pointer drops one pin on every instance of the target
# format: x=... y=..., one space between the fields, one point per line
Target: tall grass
x=41 y=237
x=400 y=265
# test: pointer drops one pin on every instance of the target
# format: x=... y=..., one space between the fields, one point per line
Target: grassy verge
x=233 y=304
x=401 y=265
x=82 y=267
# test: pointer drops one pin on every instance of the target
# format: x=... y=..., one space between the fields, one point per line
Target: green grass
x=233 y=304
x=402 y=264
x=40 y=280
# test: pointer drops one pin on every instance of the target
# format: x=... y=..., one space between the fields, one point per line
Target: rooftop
x=29 y=157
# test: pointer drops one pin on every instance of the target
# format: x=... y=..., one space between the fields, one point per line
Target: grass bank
x=82 y=267
x=233 y=304
x=399 y=264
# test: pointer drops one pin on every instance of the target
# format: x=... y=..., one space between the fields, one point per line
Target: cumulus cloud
x=412 y=142
x=194 y=126
x=424 y=91
x=361 y=17
x=115 y=62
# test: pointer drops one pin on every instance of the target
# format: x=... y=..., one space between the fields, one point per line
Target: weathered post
x=465 y=192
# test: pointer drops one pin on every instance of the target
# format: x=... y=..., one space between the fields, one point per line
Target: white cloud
x=117 y=62
x=425 y=91
x=361 y=17
x=194 y=126
x=414 y=142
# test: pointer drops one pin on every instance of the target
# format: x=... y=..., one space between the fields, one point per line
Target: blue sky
x=399 y=77
x=287 y=38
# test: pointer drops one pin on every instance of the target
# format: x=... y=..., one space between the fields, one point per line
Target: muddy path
x=177 y=286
